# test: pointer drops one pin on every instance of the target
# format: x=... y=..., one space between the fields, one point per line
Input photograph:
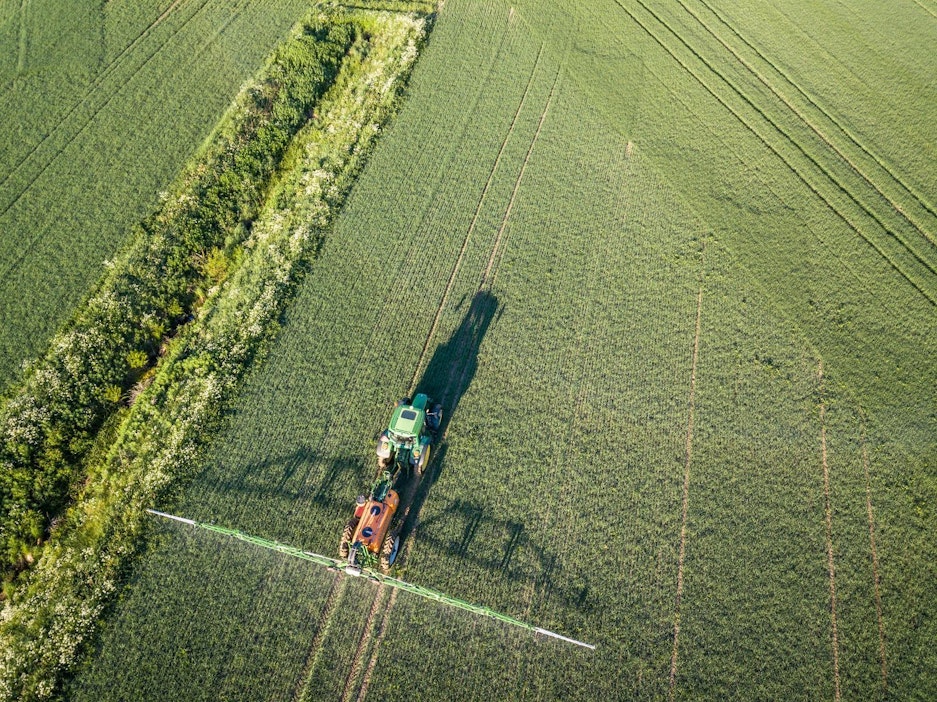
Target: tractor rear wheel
x=390 y=550
x=347 y=535
x=422 y=464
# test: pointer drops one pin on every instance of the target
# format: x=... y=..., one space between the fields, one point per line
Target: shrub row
x=177 y=254
x=51 y=615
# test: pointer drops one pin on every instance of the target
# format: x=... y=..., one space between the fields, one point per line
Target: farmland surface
x=672 y=274
x=102 y=104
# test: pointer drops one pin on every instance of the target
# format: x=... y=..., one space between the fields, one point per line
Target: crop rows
x=903 y=256
x=69 y=190
x=686 y=400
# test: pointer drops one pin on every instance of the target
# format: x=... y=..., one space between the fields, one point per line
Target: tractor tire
x=423 y=463
x=389 y=550
x=402 y=401
x=347 y=535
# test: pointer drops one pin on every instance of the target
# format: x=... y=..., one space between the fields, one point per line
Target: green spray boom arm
x=372 y=575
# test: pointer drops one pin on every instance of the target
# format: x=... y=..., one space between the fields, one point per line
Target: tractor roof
x=407 y=420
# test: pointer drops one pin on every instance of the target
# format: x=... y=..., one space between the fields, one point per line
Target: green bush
x=177 y=253
x=142 y=454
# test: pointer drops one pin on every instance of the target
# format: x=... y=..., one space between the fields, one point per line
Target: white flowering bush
x=43 y=628
x=176 y=259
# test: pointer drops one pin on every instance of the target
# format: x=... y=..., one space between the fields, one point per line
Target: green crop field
x=102 y=104
x=672 y=273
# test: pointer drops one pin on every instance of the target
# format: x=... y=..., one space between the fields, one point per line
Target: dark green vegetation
x=177 y=253
x=671 y=272
x=102 y=104
x=269 y=230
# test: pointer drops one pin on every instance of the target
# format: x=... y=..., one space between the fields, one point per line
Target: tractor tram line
x=831 y=566
x=351 y=681
x=409 y=491
x=466 y=346
x=688 y=458
x=468 y=235
x=876 y=581
x=322 y=629
x=372 y=663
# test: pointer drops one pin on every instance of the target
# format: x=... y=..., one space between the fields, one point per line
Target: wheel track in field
x=372 y=663
x=322 y=628
x=844 y=130
x=925 y=8
x=772 y=147
x=104 y=74
x=486 y=280
x=26 y=248
x=928 y=236
x=364 y=642
x=230 y=19
x=22 y=39
x=875 y=567
x=407 y=498
x=687 y=461
x=468 y=235
x=497 y=251
x=831 y=567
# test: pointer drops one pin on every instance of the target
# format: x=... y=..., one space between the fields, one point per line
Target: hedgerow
x=177 y=255
x=157 y=443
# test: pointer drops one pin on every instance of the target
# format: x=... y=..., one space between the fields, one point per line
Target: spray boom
x=367 y=573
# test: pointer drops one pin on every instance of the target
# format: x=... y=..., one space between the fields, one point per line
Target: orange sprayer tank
x=376 y=518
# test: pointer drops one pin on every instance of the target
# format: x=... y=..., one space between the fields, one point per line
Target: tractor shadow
x=447 y=377
x=452 y=368
x=511 y=551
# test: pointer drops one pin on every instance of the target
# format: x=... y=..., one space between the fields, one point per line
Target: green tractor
x=405 y=444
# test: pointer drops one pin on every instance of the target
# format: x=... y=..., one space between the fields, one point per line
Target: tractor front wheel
x=347 y=535
x=390 y=550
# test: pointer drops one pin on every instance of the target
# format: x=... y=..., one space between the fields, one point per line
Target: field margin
x=45 y=629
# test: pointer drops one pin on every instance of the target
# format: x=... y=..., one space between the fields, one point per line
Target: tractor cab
x=406 y=442
x=406 y=423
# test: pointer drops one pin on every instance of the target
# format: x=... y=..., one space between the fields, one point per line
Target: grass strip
x=47 y=620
